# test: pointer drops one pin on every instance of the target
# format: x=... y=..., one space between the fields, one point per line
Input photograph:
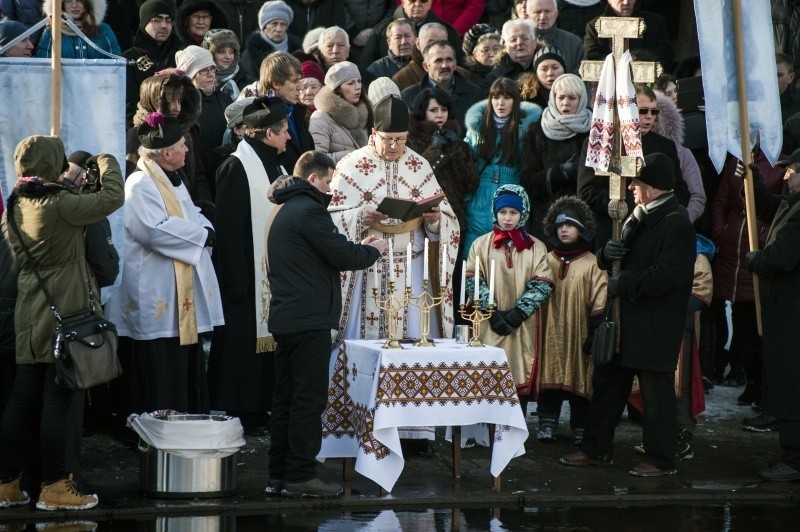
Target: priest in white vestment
x=169 y=291
x=387 y=167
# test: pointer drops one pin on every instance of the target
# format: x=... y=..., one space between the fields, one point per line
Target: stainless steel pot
x=165 y=474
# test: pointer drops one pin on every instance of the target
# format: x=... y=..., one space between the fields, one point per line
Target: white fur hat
x=193 y=59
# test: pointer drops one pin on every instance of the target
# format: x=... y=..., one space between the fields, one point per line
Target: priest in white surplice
x=386 y=167
x=168 y=292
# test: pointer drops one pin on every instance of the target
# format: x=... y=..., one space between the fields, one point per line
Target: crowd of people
x=253 y=242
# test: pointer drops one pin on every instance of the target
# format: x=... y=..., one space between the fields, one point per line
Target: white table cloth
x=374 y=391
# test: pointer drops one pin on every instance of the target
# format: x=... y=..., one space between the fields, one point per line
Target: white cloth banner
x=717 y=55
x=92 y=113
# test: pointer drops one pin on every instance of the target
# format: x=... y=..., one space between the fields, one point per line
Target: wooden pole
x=55 y=66
x=744 y=126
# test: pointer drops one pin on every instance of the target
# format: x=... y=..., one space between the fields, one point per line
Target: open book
x=405 y=209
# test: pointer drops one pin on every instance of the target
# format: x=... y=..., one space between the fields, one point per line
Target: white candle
x=408 y=265
x=491 y=284
x=462 y=296
x=477 y=277
x=443 y=273
x=425 y=261
x=375 y=274
x=391 y=260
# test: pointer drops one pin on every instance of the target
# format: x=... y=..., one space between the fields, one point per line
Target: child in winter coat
x=571 y=315
x=523 y=282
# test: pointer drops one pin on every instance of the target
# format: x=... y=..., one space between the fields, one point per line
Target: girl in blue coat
x=88 y=16
x=495 y=130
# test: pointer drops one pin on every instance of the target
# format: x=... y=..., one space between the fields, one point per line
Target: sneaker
x=685 y=449
x=577 y=437
x=12 y=495
x=274 y=487
x=780 y=472
x=760 y=423
x=64 y=495
x=311 y=489
x=547 y=430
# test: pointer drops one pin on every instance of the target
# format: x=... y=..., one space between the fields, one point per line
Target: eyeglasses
x=418 y=1
x=647 y=110
x=199 y=17
x=208 y=71
x=399 y=141
x=161 y=20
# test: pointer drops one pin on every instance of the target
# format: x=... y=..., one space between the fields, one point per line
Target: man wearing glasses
x=419 y=13
x=594 y=189
x=154 y=48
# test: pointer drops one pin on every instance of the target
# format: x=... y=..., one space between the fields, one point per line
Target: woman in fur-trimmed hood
x=173 y=94
x=88 y=15
x=191 y=31
x=342 y=117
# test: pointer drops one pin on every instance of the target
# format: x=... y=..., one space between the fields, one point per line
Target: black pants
x=612 y=386
x=35 y=391
x=301 y=392
x=548 y=406
x=789 y=436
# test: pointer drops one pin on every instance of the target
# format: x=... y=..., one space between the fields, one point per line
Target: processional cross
x=621 y=167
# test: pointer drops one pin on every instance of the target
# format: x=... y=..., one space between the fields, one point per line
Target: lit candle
x=391 y=261
x=462 y=296
x=408 y=265
x=443 y=273
x=491 y=284
x=425 y=261
x=477 y=277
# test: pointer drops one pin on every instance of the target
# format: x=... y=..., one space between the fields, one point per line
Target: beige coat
x=53 y=229
x=338 y=127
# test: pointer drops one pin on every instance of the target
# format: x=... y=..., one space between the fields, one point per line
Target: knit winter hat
x=569 y=216
x=548 y=52
x=311 y=69
x=380 y=89
x=474 y=34
x=10 y=30
x=274 y=10
x=340 y=73
x=153 y=8
x=218 y=39
x=391 y=115
x=658 y=172
x=193 y=59
x=235 y=111
x=513 y=196
x=311 y=40
x=508 y=199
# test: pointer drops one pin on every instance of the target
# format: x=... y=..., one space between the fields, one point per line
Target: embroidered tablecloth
x=373 y=391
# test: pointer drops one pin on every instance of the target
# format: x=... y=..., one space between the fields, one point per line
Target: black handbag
x=84 y=344
x=604 y=342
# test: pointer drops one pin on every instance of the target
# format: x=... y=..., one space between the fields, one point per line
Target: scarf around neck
x=557 y=126
x=282 y=46
x=519 y=237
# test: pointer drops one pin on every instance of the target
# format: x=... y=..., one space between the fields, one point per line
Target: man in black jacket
x=305 y=253
x=657 y=253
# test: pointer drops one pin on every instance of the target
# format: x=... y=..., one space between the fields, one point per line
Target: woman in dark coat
x=550 y=158
x=190 y=22
x=273 y=20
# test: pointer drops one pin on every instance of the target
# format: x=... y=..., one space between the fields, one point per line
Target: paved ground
x=724 y=468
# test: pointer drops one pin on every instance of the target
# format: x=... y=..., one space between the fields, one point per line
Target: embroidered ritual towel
x=627 y=110
x=601 y=134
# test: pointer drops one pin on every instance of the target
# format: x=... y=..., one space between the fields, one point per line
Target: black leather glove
x=748 y=257
x=211 y=238
x=499 y=325
x=613 y=286
x=207 y=209
x=515 y=317
x=740 y=171
x=437 y=140
x=569 y=169
x=613 y=250
x=235 y=294
x=449 y=136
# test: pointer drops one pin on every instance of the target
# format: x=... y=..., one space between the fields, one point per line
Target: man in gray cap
x=657 y=251
x=240 y=370
x=387 y=167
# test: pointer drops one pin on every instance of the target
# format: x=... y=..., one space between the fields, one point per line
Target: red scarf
x=521 y=239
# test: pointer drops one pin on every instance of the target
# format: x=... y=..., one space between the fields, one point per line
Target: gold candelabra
x=476 y=316
x=392 y=305
x=425 y=302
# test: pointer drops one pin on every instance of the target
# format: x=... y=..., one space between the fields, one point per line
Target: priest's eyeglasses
x=399 y=141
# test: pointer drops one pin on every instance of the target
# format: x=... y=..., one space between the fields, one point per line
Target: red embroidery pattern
x=338 y=415
x=413 y=163
x=338 y=197
x=365 y=166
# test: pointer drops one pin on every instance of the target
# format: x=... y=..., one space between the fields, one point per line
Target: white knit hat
x=380 y=89
x=193 y=59
x=341 y=72
x=274 y=10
